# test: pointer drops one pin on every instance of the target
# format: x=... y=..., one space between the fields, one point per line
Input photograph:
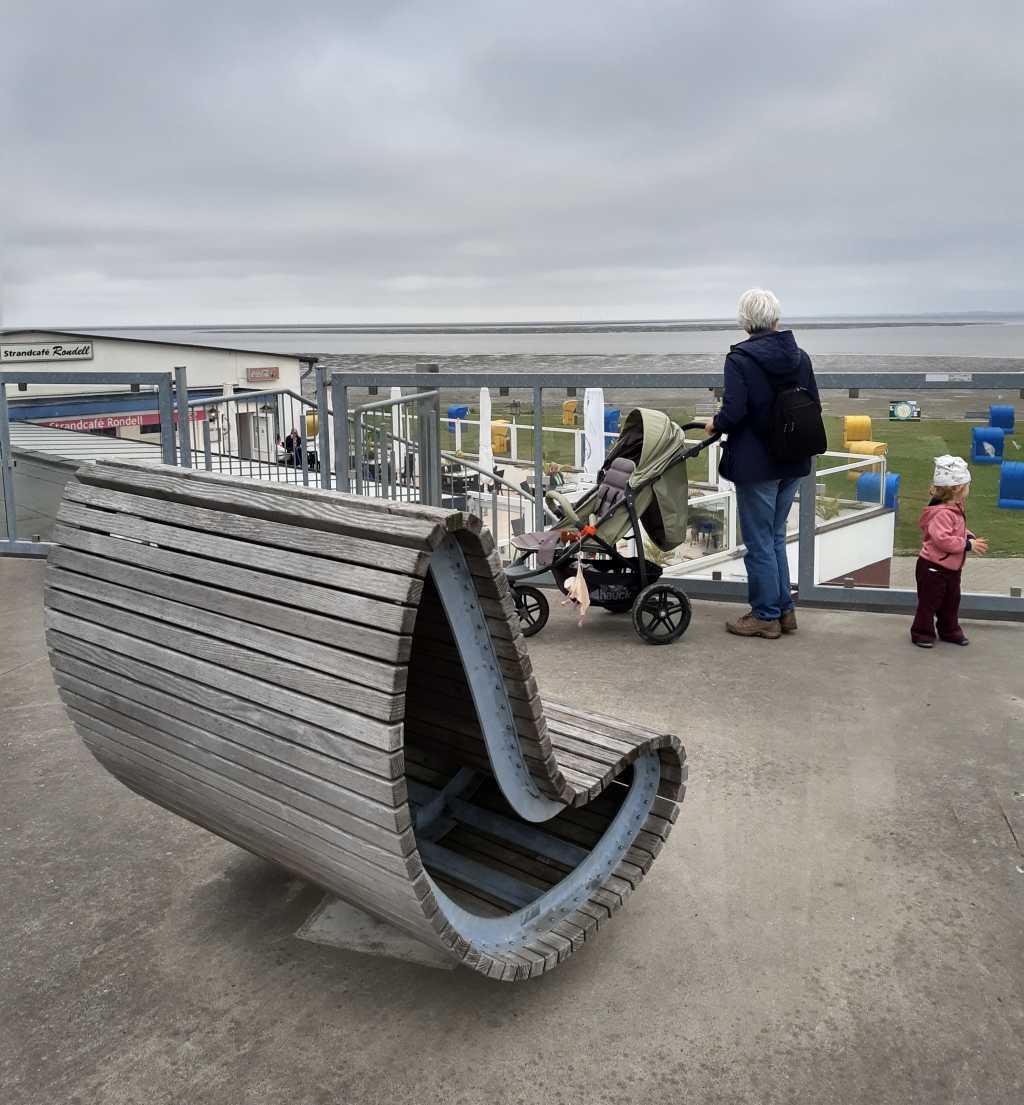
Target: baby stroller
x=643 y=483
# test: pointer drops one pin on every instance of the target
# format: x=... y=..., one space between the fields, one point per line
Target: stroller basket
x=612 y=584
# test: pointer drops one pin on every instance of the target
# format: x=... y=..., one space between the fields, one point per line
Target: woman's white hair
x=758 y=310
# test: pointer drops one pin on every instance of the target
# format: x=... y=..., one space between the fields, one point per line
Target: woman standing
x=757 y=370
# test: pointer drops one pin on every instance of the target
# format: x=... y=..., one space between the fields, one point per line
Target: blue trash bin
x=1002 y=418
x=1011 y=485
x=456 y=412
x=987 y=445
x=868 y=488
x=611 y=420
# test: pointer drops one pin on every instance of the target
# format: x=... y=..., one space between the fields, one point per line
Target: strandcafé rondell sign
x=11 y=352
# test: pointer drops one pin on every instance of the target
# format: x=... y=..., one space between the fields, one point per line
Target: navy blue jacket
x=747 y=404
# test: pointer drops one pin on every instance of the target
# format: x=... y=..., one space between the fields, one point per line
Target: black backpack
x=794 y=430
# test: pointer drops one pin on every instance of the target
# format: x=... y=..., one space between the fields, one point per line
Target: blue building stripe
x=78 y=406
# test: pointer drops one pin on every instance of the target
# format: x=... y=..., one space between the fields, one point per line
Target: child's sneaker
x=923 y=642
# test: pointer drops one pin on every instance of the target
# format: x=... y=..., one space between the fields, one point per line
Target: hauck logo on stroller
x=641 y=491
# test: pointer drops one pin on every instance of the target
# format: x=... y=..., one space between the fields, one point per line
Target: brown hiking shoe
x=788 y=621
x=751 y=626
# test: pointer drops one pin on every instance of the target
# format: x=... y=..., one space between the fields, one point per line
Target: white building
x=125 y=412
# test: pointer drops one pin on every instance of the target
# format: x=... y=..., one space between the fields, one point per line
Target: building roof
x=306 y=358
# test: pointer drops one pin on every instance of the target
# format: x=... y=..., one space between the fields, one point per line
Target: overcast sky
x=377 y=161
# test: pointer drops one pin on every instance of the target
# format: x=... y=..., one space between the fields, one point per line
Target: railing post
x=808 y=525
x=165 y=405
x=207 y=450
x=435 y=455
x=339 y=394
x=357 y=450
x=7 y=470
x=323 y=433
x=538 y=458
x=184 y=426
x=303 y=448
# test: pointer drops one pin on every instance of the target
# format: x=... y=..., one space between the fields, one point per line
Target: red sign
x=262 y=375
x=111 y=421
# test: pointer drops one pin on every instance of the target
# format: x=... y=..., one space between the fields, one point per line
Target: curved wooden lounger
x=339 y=684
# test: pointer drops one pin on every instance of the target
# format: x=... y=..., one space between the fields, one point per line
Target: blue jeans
x=763 y=509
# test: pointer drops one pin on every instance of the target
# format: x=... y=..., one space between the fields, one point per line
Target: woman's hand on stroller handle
x=710 y=440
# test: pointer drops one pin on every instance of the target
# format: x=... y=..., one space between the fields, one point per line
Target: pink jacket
x=946 y=536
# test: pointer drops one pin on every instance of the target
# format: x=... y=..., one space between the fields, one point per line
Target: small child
x=947 y=541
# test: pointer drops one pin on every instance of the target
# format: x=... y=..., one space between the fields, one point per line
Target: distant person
x=771 y=413
x=293 y=446
x=280 y=451
x=947 y=541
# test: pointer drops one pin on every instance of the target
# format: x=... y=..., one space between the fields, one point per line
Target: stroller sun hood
x=651 y=441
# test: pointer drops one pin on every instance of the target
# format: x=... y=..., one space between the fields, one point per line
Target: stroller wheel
x=532 y=608
x=661 y=614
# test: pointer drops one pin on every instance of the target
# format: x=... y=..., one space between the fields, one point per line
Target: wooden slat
x=336 y=815
x=354 y=550
x=327 y=662
x=445 y=656
x=306 y=507
x=194 y=724
x=233 y=658
x=431 y=678
x=204 y=802
x=325 y=867
x=362 y=584
x=378 y=734
x=307 y=638
x=256 y=714
x=304 y=596
x=597 y=724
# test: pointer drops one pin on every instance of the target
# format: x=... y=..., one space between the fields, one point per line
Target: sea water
x=911 y=337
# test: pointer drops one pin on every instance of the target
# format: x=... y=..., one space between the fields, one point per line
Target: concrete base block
x=340 y=925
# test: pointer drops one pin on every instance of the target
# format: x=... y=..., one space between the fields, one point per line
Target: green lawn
x=912 y=448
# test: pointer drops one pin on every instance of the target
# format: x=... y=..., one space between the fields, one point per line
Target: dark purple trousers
x=938 y=600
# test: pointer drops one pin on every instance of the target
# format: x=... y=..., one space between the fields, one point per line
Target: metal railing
x=263 y=435
x=392 y=447
x=427 y=384
x=10 y=543
x=812 y=591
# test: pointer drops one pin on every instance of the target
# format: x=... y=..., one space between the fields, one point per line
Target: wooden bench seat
x=340 y=685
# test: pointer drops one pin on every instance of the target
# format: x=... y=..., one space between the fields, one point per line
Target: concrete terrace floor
x=838 y=917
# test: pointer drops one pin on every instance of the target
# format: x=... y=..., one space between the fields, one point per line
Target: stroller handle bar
x=700 y=446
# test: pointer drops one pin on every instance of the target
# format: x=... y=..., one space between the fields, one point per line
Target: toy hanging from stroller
x=641 y=490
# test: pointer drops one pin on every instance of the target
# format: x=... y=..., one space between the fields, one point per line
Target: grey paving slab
x=837 y=917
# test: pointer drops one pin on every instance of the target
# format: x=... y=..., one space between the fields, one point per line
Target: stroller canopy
x=652 y=441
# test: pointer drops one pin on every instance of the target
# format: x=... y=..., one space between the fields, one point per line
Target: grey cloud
x=446 y=161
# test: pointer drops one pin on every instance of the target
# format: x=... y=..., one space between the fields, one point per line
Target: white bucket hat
x=950 y=471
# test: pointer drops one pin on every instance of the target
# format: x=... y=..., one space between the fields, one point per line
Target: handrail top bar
x=155 y=378
x=522 y=381
x=246 y=396
x=379 y=404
